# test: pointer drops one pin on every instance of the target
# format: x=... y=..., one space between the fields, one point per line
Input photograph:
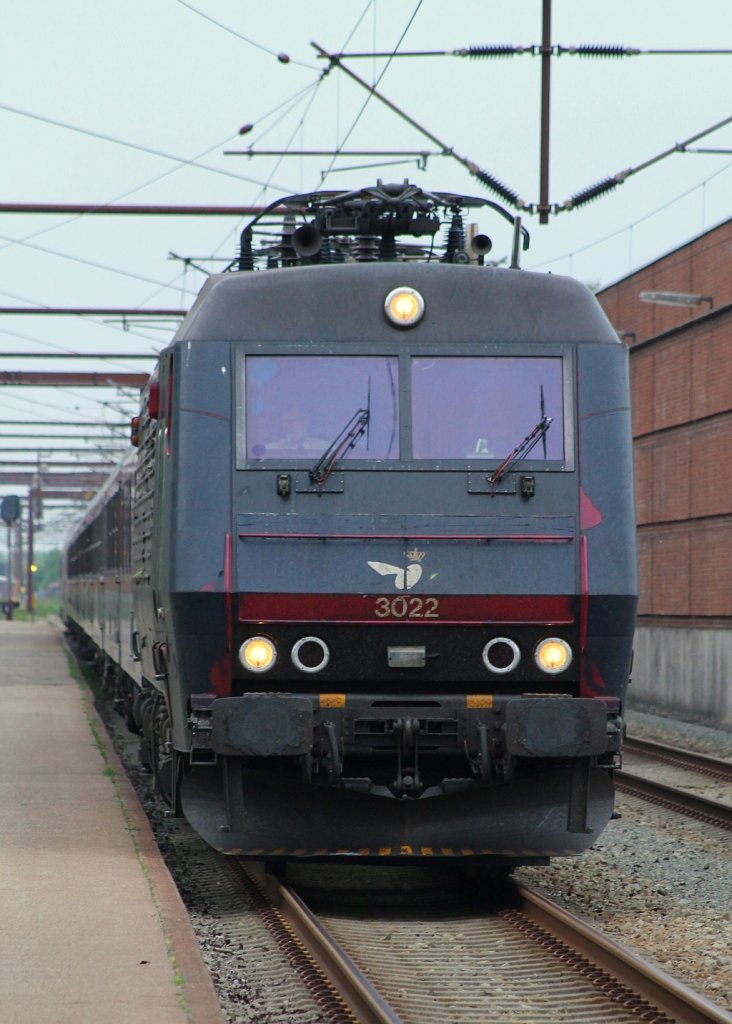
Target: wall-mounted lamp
x=675 y=299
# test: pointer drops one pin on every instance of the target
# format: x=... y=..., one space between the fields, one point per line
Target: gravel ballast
x=658 y=881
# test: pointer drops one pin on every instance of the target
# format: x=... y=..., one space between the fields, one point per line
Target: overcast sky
x=158 y=75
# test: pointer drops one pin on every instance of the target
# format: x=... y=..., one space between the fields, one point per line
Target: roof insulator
x=599 y=50
x=246 y=256
x=455 y=241
x=588 y=194
x=496 y=186
x=498 y=50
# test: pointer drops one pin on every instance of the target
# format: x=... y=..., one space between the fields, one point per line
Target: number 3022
x=407 y=608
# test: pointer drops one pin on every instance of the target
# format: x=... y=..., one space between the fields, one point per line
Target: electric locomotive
x=382 y=545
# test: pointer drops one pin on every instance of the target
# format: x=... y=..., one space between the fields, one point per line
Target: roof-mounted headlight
x=404 y=307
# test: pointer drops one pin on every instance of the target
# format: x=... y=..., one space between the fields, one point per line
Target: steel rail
x=701 y=808
x=664 y=992
x=618 y=972
x=353 y=987
x=704 y=763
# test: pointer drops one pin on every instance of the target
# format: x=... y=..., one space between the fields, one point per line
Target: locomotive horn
x=306 y=240
x=481 y=245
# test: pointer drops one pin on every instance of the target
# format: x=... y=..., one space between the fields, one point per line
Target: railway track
x=673 y=797
x=715 y=767
x=502 y=972
x=512 y=956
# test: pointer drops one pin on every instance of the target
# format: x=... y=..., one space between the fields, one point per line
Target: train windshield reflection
x=466 y=407
x=296 y=405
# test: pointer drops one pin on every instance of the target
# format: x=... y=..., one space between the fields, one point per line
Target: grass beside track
x=45 y=607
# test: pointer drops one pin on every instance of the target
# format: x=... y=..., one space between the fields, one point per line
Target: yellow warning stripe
x=400 y=851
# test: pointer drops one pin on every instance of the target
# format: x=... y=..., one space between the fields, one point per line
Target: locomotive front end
x=429 y=574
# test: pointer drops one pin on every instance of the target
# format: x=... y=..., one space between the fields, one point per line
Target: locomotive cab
x=430 y=625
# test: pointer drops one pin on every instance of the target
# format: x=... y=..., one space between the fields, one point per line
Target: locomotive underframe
x=403 y=758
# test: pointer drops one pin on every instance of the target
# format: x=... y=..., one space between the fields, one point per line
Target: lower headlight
x=553 y=655
x=258 y=654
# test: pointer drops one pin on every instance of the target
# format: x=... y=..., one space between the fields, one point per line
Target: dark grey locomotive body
x=402 y=644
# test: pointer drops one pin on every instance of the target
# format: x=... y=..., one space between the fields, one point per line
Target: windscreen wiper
x=536 y=434
x=346 y=440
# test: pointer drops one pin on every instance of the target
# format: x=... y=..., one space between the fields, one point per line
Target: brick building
x=681 y=384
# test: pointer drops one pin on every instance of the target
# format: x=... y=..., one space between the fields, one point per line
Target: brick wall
x=681 y=385
x=702 y=267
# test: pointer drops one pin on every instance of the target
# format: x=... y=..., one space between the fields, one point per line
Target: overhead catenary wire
x=79 y=355
x=498 y=50
x=296 y=129
x=278 y=72
x=372 y=90
x=64 y=349
x=107 y=206
x=246 y=128
x=484 y=177
x=88 y=311
x=545 y=50
x=133 y=145
x=35 y=402
x=66 y=448
x=282 y=58
x=84 y=425
x=290 y=105
x=608 y=184
x=126 y=329
x=331 y=152
x=27 y=435
x=88 y=263
x=629 y=227
x=574 y=202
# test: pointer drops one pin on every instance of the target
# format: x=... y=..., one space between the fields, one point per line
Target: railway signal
x=10 y=512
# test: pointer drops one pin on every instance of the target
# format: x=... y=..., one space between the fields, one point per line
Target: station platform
x=92 y=927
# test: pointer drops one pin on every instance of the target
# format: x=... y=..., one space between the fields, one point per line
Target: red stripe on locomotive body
x=228 y=592
x=376 y=609
x=584 y=595
x=528 y=538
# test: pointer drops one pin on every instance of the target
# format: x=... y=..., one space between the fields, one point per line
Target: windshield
x=462 y=407
x=466 y=407
x=296 y=406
